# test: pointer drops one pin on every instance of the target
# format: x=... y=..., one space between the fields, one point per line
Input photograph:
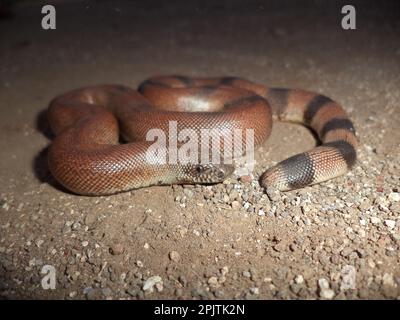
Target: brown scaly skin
x=87 y=158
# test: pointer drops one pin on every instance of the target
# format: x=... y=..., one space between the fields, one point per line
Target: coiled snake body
x=87 y=158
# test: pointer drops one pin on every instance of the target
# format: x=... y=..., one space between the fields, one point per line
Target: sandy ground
x=196 y=242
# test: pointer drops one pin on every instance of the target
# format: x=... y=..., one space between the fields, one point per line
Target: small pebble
x=390 y=224
x=224 y=270
x=394 y=196
x=139 y=264
x=151 y=282
x=213 y=281
x=246 y=179
x=375 y=220
x=388 y=280
x=246 y=274
x=255 y=290
x=299 y=279
x=174 y=256
x=235 y=205
x=323 y=283
x=327 y=294
x=117 y=249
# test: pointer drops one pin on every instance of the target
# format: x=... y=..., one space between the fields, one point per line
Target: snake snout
x=212 y=173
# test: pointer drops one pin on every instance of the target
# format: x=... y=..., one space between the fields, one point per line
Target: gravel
x=336 y=240
x=174 y=256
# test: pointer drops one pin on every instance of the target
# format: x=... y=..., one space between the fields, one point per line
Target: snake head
x=209 y=173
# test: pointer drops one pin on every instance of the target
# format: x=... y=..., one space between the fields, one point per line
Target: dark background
x=294 y=44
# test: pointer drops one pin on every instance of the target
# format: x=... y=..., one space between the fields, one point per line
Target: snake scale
x=87 y=157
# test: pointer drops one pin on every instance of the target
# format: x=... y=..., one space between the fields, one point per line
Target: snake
x=101 y=133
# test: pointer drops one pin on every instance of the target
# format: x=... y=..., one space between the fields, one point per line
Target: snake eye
x=221 y=174
x=199 y=169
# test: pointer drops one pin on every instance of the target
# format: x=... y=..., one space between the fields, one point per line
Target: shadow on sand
x=40 y=166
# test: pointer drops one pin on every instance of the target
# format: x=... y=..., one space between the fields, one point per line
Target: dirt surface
x=196 y=242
